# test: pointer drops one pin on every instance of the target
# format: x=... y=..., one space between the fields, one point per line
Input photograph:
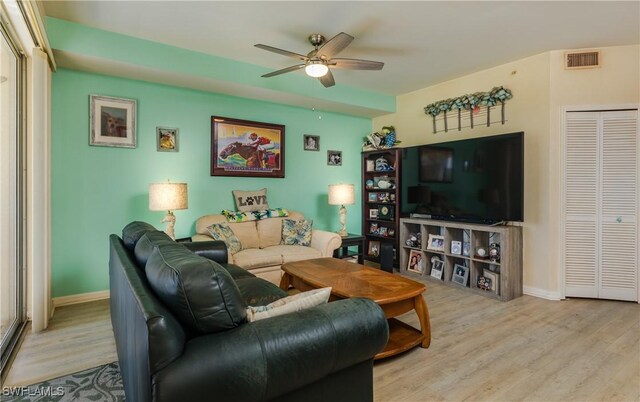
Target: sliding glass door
x=11 y=194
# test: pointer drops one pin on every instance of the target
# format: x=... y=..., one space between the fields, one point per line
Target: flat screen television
x=475 y=180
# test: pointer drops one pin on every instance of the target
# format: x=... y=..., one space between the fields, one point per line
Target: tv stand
x=506 y=273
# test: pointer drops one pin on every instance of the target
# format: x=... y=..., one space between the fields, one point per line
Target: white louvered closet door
x=601 y=205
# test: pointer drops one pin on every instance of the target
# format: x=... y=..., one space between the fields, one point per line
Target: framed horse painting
x=246 y=148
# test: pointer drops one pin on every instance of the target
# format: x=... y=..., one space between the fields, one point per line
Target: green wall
x=95 y=191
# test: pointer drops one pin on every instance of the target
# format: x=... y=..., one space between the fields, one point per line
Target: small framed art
x=460 y=275
x=334 y=158
x=112 y=121
x=373 y=197
x=373 y=213
x=415 y=262
x=311 y=142
x=167 y=139
x=435 y=243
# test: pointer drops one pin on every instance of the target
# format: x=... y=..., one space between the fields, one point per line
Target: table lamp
x=168 y=197
x=342 y=194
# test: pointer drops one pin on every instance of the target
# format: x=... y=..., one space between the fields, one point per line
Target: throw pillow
x=290 y=304
x=247 y=201
x=199 y=292
x=222 y=231
x=296 y=233
x=239 y=216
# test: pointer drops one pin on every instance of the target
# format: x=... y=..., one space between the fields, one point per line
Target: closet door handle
x=619 y=219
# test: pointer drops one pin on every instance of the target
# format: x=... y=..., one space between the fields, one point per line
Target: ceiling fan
x=317 y=62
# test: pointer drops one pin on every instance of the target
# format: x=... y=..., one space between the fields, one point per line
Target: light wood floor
x=482 y=349
x=79 y=337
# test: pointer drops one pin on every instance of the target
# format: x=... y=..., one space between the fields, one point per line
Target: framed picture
x=415 y=263
x=391 y=232
x=334 y=158
x=435 y=243
x=246 y=148
x=456 y=247
x=437 y=267
x=373 y=197
x=370 y=165
x=311 y=142
x=466 y=249
x=373 y=213
x=495 y=280
x=374 y=248
x=460 y=274
x=383 y=231
x=373 y=228
x=112 y=122
x=484 y=283
x=167 y=139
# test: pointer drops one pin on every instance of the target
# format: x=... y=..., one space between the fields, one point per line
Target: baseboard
x=541 y=293
x=80 y=298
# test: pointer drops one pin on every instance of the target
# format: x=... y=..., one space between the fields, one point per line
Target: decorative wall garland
x=470 y=102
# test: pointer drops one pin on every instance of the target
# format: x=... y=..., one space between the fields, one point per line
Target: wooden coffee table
x=394 y=293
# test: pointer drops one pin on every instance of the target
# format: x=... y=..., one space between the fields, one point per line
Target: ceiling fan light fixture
x=316 y=69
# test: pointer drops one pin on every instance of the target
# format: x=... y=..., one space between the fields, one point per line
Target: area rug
x=99 y=384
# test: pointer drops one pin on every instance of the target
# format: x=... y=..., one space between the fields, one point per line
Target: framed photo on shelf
x=460 y=275
x=437 y=267
x=495 y=280
x=391 y=232
x=373 y=197
x=456 y=247
x=370 y=165
x=415 y=262
x=374 y=248
x=466 y=249
x=382 y=231
x=435 y=243
x=373 y=228
x=484 y=283
x=373 y=213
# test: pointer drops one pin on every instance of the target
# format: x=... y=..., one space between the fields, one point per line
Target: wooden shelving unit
x=376 y=198
x=507 y=269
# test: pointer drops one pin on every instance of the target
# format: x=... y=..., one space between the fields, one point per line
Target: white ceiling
x=422 y=43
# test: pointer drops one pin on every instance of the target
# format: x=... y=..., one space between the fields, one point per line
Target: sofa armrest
x=215 y=250
x=201 y=237
x=272 y=357
x=325 y=242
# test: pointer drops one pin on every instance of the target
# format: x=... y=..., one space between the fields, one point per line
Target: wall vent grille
x=580 y=60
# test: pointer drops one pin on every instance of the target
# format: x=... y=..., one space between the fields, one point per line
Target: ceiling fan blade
x=282 y=52
x=356 y=64
x=327 y=80
x=284 y=70
x=334 y=45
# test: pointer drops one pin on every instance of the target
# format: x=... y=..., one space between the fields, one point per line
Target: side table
x=351 y=240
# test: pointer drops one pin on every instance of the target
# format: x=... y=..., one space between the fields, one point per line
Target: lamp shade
x=168 y=196
x=342 y=194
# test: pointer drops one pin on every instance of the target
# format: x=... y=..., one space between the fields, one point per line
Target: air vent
x=577 y=60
